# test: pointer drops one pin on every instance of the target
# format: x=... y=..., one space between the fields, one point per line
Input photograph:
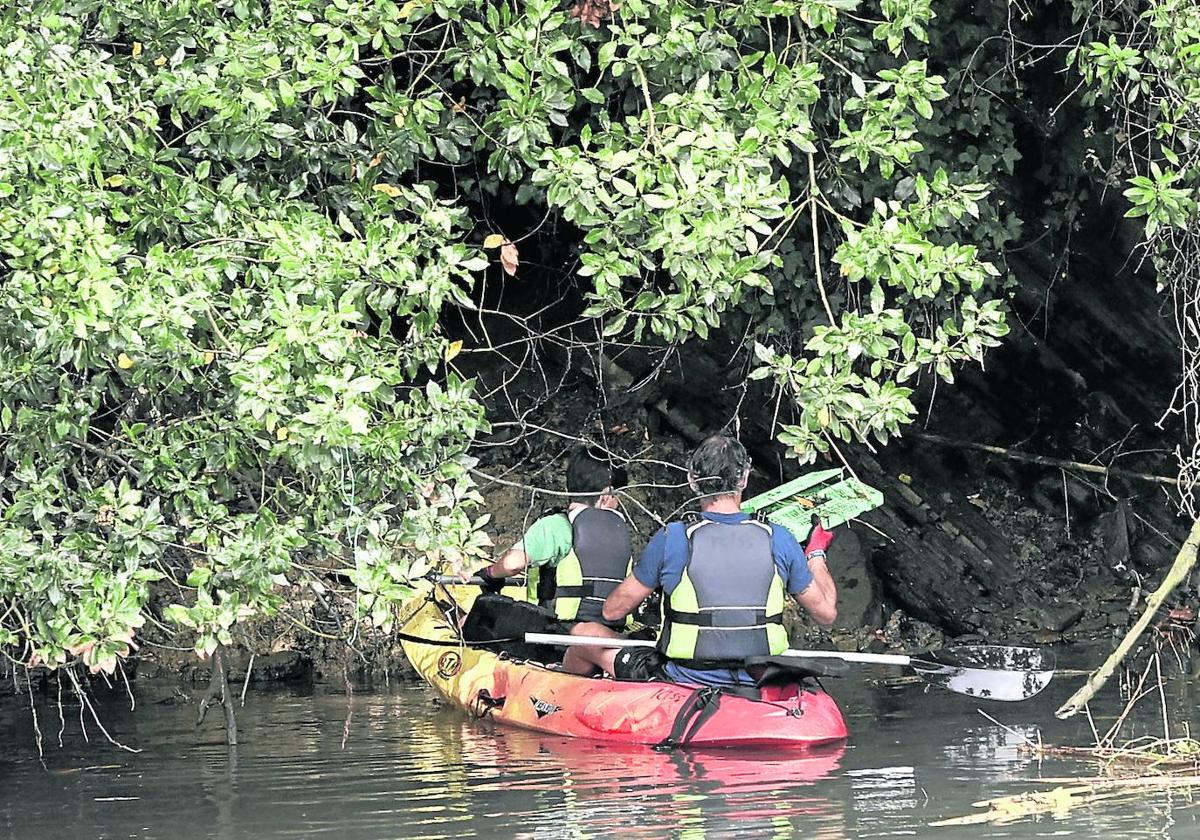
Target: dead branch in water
x=1060 y=801
x=1184 y=561
x=218 y=688
x=1144 y=756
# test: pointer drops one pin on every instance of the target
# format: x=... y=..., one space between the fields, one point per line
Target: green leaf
x=624 y=187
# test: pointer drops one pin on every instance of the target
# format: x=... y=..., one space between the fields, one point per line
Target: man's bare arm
x=510 y=563
x=820 y=596
x=625 y=598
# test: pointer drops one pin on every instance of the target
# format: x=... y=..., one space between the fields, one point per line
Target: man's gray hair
x=719 y=465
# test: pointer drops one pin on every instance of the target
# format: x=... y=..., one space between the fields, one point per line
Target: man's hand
x=487 y=582
x=818 y=540
x=624 y=599
x=593 y=12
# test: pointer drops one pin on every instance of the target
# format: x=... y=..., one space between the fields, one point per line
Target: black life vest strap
x=588 y=589
x=694 y=713
x=724 y=618
x=584 y=591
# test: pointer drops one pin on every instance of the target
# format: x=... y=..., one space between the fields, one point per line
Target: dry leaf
x=494 y=240
x=459 y=106
x=281 y=433
x=137 y=48
x=209 y=357
x=408 y=8
x=114 y=180
x=452 y=350
x=160 y=61
x=375 y=161
x=124 y=362
x=387 y=189
x=399 y=120
x=509 y=258
x=593 y=11
x=823 y=416
x=905 y=478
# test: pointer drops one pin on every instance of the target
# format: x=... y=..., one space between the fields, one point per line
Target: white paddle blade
x=1008 y=686
x=990 y=672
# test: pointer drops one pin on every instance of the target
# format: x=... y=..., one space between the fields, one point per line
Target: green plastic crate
x=829 y=494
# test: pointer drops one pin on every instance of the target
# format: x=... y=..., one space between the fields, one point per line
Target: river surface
x=394 y=762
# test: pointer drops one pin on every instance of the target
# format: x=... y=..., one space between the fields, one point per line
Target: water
x=398 y=764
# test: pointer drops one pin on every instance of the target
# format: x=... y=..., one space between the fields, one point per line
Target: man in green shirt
x=574 y=557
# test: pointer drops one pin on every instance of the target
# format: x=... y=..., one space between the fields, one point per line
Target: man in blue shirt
x=724 y=576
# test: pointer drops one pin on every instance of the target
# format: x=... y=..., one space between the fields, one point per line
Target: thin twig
x=651 y=133
x=85 y=701
x=1045 y=460
x=1007 y=729
x=816 y=239
x=246 y=683
x=37 y=730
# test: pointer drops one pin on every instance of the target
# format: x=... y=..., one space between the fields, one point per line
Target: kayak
x=526 y=694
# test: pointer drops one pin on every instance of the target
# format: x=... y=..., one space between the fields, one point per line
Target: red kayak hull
x=548 y=700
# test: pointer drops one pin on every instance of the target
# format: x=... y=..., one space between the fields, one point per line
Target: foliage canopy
x=230 y=232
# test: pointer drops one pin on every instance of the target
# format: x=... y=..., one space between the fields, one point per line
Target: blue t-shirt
x=662 y=564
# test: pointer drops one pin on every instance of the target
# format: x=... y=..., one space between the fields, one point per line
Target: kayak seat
x=778 y=672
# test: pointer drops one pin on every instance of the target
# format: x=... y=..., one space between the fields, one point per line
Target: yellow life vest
x=601 y=557
x=729 y=603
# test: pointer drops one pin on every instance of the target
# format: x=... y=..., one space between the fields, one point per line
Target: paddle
x=990 y=672
x=455 y=580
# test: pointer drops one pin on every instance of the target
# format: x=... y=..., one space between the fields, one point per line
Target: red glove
x=818 y=540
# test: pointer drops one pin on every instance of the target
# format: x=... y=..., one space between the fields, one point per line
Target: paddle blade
x=993 y=657
x=990 y=672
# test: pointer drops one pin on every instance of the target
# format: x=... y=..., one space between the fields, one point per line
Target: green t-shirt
x=548 y=540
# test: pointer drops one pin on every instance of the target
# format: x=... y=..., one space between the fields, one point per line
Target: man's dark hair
x=718 y=465
x=589 y=473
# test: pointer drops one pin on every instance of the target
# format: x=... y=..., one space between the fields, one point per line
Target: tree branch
x=1178 y=572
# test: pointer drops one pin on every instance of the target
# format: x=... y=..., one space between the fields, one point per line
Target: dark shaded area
x=975 y=544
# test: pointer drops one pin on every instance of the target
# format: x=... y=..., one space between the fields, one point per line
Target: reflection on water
x=399 y=765
x=634 y=791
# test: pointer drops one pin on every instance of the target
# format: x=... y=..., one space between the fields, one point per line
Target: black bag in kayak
x=500 y=623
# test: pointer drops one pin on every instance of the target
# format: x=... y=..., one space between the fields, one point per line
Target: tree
x=230 y=231
x=223 y=368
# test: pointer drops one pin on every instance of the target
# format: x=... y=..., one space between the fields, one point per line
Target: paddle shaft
x=455 y=580
x=604 y=641
x=984 y=672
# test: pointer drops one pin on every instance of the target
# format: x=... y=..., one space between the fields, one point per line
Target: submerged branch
x=1178 y=572
x=218 y=688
